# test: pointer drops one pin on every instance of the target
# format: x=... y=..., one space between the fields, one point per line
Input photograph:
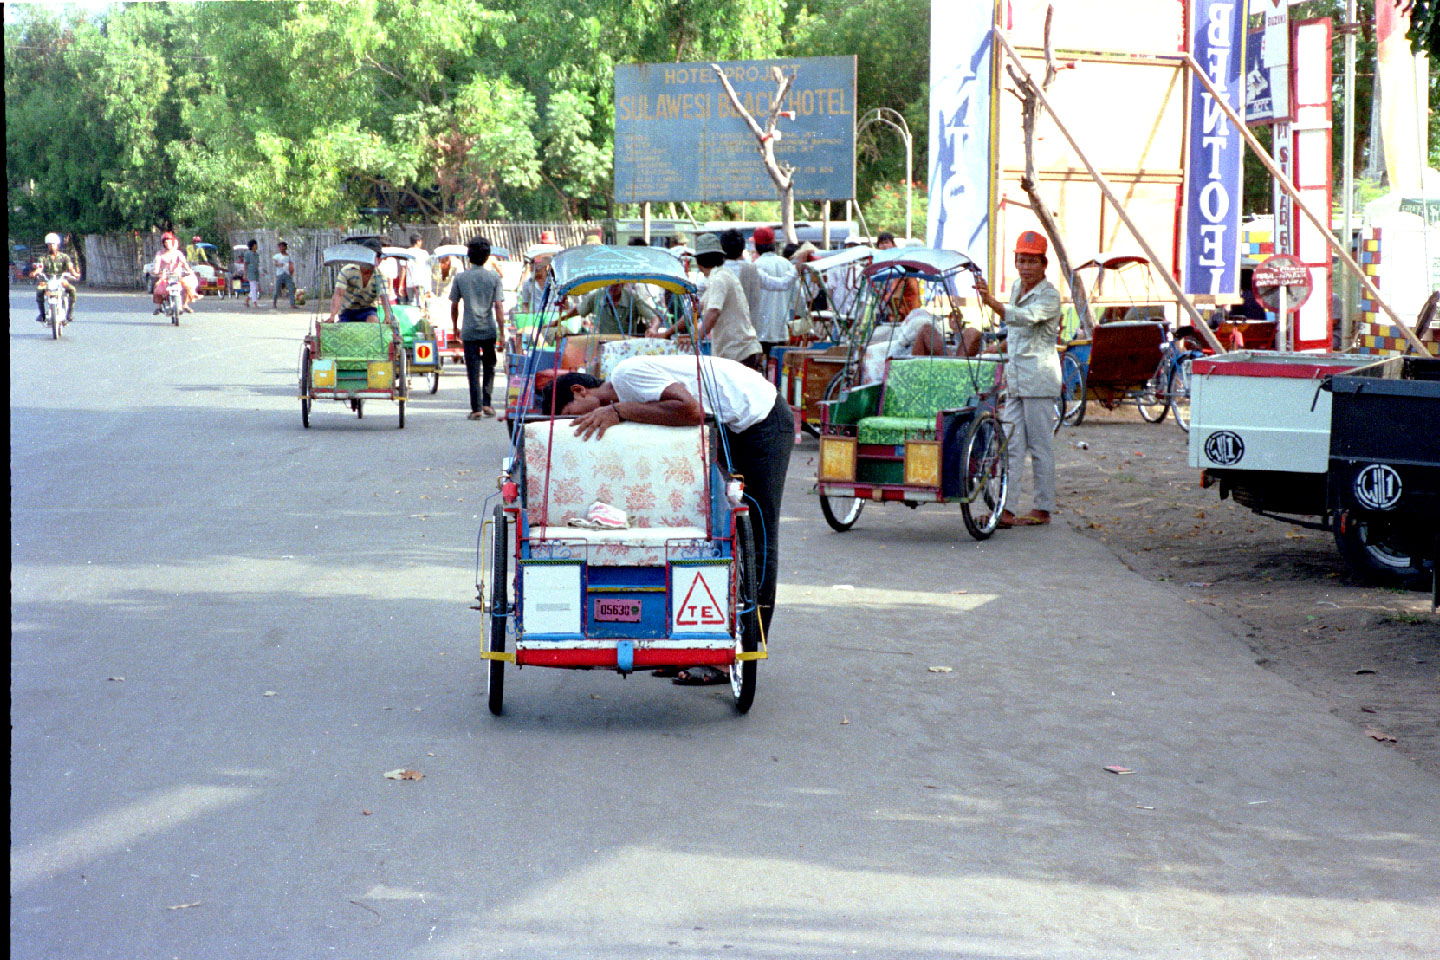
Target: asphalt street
x=226 y=629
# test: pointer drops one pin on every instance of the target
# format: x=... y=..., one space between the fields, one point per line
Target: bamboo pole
x=1196 y=320
x=1290 y=189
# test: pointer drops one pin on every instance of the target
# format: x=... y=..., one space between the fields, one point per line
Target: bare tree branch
x=783 y=175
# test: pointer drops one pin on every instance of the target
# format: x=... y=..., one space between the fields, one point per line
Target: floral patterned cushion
x=923 y=386
x=612 y=353
x=655 y=474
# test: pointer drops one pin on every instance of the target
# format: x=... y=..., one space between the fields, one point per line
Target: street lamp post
x=884 y=115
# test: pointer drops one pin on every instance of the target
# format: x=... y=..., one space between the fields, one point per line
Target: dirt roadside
x=1371 y=654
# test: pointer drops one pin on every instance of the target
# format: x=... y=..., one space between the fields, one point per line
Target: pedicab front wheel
x=986 y=476
x=747 y=617
x=305 y=386
x=499 y=615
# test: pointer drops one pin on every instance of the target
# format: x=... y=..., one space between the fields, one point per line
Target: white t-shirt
x=283 y=264
x=418 y=271
x=737 y=396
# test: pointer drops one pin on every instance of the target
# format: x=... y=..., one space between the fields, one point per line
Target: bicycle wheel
x=1179 y=391
x=494 y=639
x=987 y=477
x=1152 y=400
x=1070 y=405
x=747 y=619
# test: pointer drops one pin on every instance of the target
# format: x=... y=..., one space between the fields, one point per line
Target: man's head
x=284 y=247
x=884 y=240
x=195 y=239
x=1030 y=257
x=252 y=244
x=375 y=247
x=614 y=291
x=764 y=239
x=478 y=251
x=415 y=240
x=169 y=241
x=708 y=253
x=569 y=394
x=732 y=242
x=52 y=240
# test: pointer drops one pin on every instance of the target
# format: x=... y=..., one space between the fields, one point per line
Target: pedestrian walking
x=1032 y=376
x=417 y=273
x=484 y=301
x=725 y=316
x=284 y=274
x=251 y=257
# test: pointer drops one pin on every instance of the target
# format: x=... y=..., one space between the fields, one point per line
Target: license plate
x=617 y=611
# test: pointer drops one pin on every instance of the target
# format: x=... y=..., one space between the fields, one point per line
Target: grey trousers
x=1032 y=430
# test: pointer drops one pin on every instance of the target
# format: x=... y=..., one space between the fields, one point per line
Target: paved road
x=288 y=612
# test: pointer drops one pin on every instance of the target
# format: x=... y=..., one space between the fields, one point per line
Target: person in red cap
x=1032 y=375
x=778 y=279
x=547 y=236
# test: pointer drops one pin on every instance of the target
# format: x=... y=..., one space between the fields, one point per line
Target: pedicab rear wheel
x=305 y=386
x=747 y=617
x=842 y=513
x=986 y=475
x=499 y=615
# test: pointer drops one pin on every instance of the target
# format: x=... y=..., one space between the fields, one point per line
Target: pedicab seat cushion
x=615 y=351
x=353 y=345
x=409 y=319
x=656 y=474
x=917 y=389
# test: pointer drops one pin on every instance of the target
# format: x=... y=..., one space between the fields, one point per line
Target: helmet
x=52 y=238
x=547 y=236
x=195 y=239
x=1031 y=242
x=167 y=235
x=764 y=235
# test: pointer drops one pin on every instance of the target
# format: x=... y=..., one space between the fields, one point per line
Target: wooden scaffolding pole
x=1196 y=321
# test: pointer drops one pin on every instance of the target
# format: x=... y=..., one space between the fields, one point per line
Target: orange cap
x=1031 y=242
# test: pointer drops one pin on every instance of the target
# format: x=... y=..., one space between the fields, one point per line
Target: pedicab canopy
x=580 y=270
x=451 y=250
x=349 y=253
x=537 y=250
x=918 y=260
x=842 y=259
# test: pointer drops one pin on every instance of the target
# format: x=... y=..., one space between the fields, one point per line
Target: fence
x=118 y=260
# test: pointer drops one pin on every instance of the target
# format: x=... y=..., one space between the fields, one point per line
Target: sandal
x=1006 y=521
x=1035 y=518
x=700 y=677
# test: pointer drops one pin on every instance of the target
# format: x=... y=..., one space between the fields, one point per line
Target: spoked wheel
x=747 y=618
x=305 y=386
x=1179 y=391
x=1152 y=400
x=1070 y=405
x=494 y=641
x=841 y=512
x=986 y=475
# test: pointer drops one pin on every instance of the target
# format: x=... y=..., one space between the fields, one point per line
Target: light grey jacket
x=1033 y=323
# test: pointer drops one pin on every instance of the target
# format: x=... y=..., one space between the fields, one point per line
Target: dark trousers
x=479 y=353
x=761 y=455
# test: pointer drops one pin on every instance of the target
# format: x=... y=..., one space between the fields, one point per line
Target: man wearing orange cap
x=1032 y=375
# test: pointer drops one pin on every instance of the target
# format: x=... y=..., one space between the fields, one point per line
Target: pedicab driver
x=759 y=429
x=1032 y=375
x=358 y=288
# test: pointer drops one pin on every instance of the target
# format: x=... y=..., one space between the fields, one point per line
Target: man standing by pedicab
x=1032 y=376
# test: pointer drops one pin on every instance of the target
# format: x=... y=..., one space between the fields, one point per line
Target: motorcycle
x=57 y=313
x=174 y=299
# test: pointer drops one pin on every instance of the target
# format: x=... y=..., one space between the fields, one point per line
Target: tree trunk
x=766 y=137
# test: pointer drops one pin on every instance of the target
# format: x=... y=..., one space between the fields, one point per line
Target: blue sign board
x=1210 y=250
x=679 y=138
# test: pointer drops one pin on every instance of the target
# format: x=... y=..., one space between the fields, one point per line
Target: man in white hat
x=56 y=264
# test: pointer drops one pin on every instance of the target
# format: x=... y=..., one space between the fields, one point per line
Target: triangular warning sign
x=699 y=614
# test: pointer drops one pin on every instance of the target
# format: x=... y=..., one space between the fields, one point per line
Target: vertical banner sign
x=962 y=48
x=1311 y=173
x=1210 y=254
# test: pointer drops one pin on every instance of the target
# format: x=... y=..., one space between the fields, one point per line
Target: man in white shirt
x=778 y=279
x=680 y=391
x=284 y=274
x=417 y=273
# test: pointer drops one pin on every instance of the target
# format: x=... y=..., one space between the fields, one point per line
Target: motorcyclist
x=170 y=261
x=56 y=264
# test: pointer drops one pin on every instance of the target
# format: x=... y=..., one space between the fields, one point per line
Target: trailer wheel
x=1370 y=553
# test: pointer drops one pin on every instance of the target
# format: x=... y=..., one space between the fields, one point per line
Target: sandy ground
x=1372 y=654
